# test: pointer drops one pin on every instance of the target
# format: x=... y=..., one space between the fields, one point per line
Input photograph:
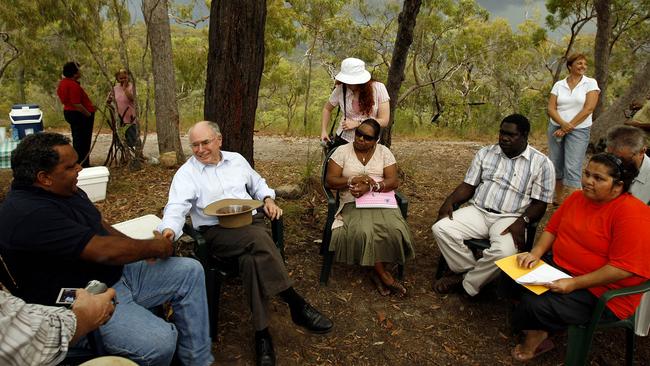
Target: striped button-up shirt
x=507 y=185
x=33 y=334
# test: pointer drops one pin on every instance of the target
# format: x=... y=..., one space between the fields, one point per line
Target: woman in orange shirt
x=601 y=237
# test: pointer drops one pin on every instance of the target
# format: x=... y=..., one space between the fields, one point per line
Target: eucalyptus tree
x=403 y=40
x=159 y=36
x=235 y=65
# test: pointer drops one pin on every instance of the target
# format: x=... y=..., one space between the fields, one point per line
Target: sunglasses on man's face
x=363 y=136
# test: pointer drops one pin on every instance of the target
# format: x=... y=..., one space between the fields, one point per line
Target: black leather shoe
x=264 y=351
x=312 y=320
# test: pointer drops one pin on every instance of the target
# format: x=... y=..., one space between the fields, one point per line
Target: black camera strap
x=336 y=118
x=6 y=278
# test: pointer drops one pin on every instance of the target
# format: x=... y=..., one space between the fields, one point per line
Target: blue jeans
x=136 y=333
x=568 y=154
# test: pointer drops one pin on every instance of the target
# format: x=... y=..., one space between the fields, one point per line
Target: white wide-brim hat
x=353 y=71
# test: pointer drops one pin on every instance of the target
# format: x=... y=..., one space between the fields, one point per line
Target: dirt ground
x=423 y=329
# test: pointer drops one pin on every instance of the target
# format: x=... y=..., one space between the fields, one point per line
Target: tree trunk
x=8 y=52
x=310 y=57
x=164 y=80
x=601 y=50
x=615 y=115
x=235 y=65
x=20 y=80
x=406 y=24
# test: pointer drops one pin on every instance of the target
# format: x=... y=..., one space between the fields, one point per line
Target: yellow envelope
x=511 y=268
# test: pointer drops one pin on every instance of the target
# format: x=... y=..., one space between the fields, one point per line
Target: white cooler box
x=93 y=181
x=26 y=119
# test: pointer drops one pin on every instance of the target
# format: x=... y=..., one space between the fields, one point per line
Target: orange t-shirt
x=589 y=235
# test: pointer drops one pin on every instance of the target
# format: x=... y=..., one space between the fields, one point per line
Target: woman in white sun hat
x=359 y=98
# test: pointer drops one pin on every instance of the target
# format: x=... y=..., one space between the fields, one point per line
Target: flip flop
x=381 y=288
x=397 y=288
x=543 y=347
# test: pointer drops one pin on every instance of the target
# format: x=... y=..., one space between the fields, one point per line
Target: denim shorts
x=568 y=154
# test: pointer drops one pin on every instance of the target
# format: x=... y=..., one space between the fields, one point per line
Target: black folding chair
x=218 y=270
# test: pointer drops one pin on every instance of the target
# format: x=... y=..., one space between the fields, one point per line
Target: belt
x=493 y=211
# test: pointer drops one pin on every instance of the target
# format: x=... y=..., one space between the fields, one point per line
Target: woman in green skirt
x=365 y=173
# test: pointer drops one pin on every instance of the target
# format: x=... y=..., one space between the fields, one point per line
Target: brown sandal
x=448 y=284
x=397 y=288
x=381 y=288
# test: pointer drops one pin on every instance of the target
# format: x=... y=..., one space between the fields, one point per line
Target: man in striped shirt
x=508 y=185
x=32 y=334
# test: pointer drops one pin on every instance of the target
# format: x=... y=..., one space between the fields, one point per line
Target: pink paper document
x=377 y=200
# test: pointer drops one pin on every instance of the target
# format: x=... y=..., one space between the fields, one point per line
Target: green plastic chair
x=580 y=336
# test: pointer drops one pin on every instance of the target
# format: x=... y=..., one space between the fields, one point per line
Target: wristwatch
x=526 y=219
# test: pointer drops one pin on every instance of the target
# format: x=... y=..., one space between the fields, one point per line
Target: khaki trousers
x=472 y=223
x=260 y=264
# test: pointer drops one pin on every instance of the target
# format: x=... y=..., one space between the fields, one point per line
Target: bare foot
x=535 y=344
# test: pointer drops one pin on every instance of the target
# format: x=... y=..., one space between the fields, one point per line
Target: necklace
x=364 y=157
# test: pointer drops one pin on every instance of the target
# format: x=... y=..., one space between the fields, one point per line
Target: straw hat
x=109 y=361
x=233 y=212
x=353 y=71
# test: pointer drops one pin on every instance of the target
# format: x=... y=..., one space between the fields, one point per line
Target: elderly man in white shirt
x=508 y=185
x=210 y=175
x=628 y=143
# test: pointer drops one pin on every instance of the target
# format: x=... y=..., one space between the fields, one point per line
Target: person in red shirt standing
x=78 y=111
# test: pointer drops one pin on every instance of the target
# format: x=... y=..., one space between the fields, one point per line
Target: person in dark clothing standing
x=78 y=111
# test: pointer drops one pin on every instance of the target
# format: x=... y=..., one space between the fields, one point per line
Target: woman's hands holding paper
x=562 y=286
x=527 y=260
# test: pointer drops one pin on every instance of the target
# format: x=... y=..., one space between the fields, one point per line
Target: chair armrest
x=277 y=233
x=201 y=250
x=403 y=203
x=638 y=289
x=611 y=294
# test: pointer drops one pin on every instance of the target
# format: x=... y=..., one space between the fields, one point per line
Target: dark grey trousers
x=554 y=312
x=260 y=264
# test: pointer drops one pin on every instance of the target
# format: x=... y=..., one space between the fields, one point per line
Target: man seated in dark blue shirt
x=52 y=236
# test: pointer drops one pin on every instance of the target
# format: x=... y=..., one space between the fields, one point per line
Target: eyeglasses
x=363 y=136
x=204 y=143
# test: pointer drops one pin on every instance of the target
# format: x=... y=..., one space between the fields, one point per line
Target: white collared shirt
x=507 y=185
x=640 y=187
x=570 y=102
x=196 y=185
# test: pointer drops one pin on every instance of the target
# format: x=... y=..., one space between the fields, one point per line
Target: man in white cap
x=211 y=175
x=359 y=96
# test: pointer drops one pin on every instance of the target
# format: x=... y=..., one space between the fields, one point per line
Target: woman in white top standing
x=570 y=106
x=359 y=98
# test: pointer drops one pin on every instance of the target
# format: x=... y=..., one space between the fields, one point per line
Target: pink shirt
x=125 y=106
x=380 y=95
